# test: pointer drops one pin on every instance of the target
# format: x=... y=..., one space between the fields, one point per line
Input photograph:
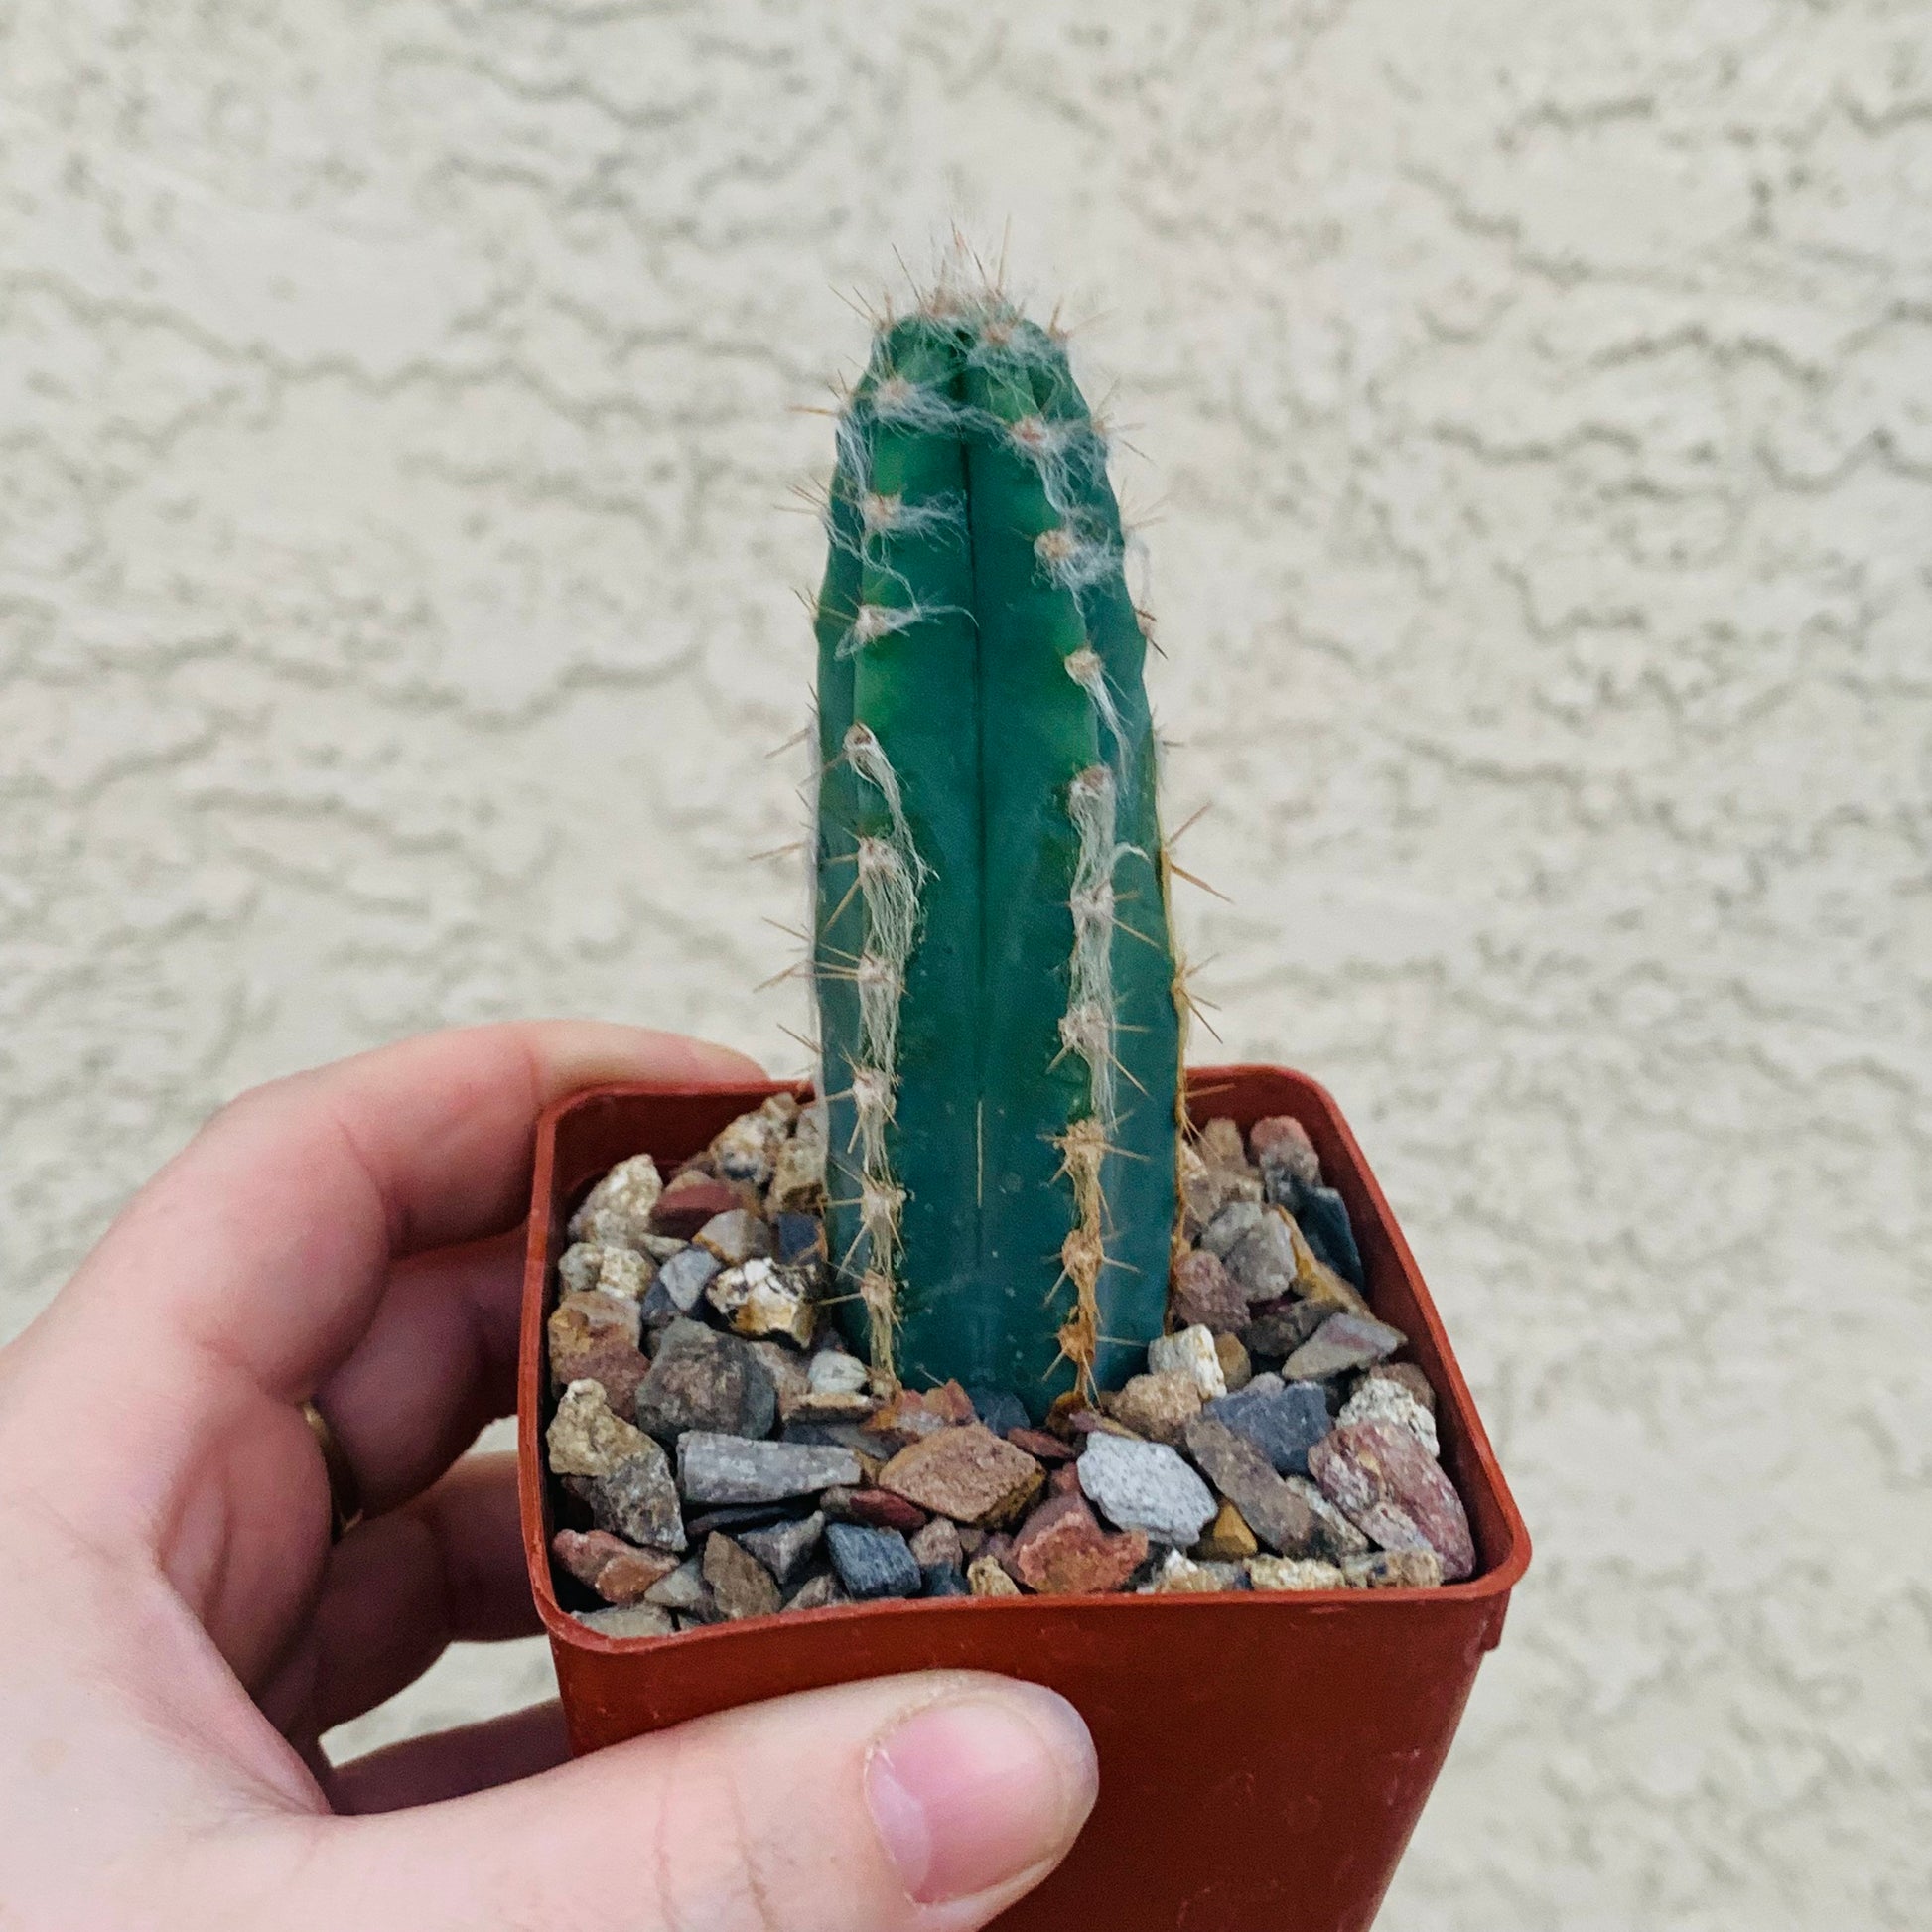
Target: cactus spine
x=995 y=973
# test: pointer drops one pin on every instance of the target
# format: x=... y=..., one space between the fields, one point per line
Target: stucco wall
x=396 y=611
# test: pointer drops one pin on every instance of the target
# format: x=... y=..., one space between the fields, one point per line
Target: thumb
x=910 y=1804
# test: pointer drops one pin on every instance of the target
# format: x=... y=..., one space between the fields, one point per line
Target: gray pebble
x=639 y=1502
x=1240 y=1472
x=628 y=1620
x=1229 y=1225
x=801 y=1238
x=786 y=1548
x=817 y=1593
x=1283 y=1420
x=872 y=1563
x=1344 y=1342
x=701 y=1379
x=733 y=1517
x=719 y=1468
x=734 y=1236
x=843 y=1434
x=657 y=1309
x=999 y=1409
x=1334 y=1535
x=1322 y=1217
x=686 y=1275
x=787 y=1370
x=938 y=1545
x=1263 y=1260
x=580 y=1266
x=1146 y=1486
x=684 y=1591
x=1281 y=1331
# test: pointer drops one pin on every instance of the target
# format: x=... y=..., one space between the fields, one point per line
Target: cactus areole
x=996 y=976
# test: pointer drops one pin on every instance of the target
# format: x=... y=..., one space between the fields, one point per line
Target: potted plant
x=1001 y=1295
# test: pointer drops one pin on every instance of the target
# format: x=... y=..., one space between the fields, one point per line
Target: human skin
x=177 y=1633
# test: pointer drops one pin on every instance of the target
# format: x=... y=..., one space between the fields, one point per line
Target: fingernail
x=973 y=1793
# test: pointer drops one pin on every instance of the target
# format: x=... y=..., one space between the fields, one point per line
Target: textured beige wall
x=396 y=611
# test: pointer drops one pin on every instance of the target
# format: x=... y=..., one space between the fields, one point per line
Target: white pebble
x=1191 y=1352
x=625 y=1273
x=834 y=1372
x=1377 y=1400
x=762 y=1298
x=580 y=1267
x=617 y=1210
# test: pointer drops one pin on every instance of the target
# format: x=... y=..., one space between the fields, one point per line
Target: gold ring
x=344 y=1492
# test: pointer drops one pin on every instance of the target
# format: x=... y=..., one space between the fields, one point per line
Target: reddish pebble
x=691 y=1200
x=1061 y=1551
x=951 y=1403
x=915 y=1413
x=910 y=1415
x=880 y=1510
x=626 y=1579
x=584 y=1552
x=1202 y=1293
x=1388 y=1485
x=621 y=1371
x=1041 y=1447
x=617 y=1571
x=1281 y=1142
x=593 y=1337
x=966 y=1472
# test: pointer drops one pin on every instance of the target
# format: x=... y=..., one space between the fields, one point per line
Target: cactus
x=996 y=978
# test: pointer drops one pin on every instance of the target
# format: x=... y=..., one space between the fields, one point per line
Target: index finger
x=267 y=1241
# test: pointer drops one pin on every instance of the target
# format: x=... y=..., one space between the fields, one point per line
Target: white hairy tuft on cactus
x=1090 y=674
x=890 y=873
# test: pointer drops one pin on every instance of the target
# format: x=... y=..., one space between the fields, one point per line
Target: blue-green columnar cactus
x=995 y=979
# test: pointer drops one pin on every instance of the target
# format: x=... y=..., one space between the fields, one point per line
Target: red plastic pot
x=1263 y=1757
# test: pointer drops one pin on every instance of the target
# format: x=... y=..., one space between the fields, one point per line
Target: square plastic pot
x=1263 y=1757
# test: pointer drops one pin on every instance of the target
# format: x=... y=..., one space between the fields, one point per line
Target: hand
x=175 y=1632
